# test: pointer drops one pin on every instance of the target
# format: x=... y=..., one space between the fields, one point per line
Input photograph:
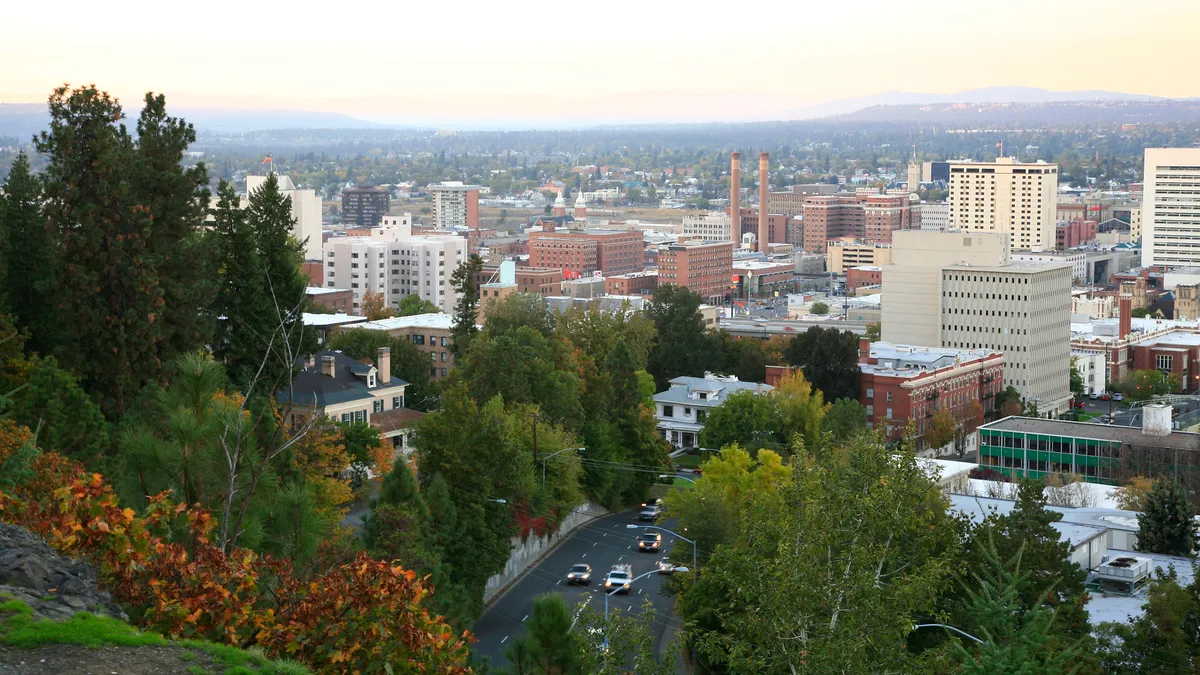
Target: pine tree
x=466 y=310
x=399 y=489
x=30 y=258
x=1167 y=524
x=177 y=199
x=109 y=298
x=241 y=302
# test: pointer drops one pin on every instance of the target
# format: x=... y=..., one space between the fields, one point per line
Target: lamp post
x=547 y=457
x=655 y=527
x=615 y=590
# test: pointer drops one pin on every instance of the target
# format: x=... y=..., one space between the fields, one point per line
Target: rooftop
x=907 y=361
x=339 y=319
x=1179 y=440
x=1176 y=338
x=1015 y=268
x=317 y=290
x=348 y=382
x=431 y=320
x=715 y=388
x=1121 y=608
x=978 y=508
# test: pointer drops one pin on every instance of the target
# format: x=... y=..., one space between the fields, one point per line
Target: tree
x=412 y=304
x=622 y=643
x=801 y=409
x=550 y=647
x=1077 y=386
x=30 y=258
x=683 y=346
x=873 y=331
x=517 y=310
x=466 y=310
x=374 y=307
x=1132 y=495
x=240 y=298
x=1167 y=524
x=819 y=308
x=1141 y=385
x=745 y=417
x=829 y=359
x=1008 y=402
x=110 y=296
x=845 y=419
x=67 y=420
x=1163 y=635
x=941 y=431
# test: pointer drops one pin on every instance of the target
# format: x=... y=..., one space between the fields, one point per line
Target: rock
x=55 y=587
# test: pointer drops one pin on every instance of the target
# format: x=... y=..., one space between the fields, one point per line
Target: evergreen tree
x=1167 y=525
x=1166 y=634
x=829 y=359
x=683 y=346
x=241 y=301
x=466 y=310
x=110 y=297
x=398 y=489
x=549 y=648
x=177 y=198
x=30 y=266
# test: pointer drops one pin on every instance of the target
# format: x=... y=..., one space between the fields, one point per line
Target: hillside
x=1029 y=114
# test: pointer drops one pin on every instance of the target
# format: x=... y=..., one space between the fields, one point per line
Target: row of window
x=669 y=411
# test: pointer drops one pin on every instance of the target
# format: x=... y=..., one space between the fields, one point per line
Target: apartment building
x=638 y=283
x=1006 y=196
x=842 y=254
x=429 y=333
x=790 y=202
x=306 y=211
x=1170 y=215
x=455 y=205
x=702 y=267
x=712 y=226
x=364 y=206
x=831 y=217
x=395 y=266
x=884 y=214
x=581 y=252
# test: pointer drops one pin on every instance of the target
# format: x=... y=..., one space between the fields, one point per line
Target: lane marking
x=620 y=559
x=504 y=640
x=583 y=556
x=594 y=544
x=558 y=582
x=526 y=617
x=639 y=591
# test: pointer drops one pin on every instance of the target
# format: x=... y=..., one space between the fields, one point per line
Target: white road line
x=504 y=640
x=583 y=556
x=639 y=591
x=594 y=544
x=620 y=559
x=526 y=617
x=558 y=582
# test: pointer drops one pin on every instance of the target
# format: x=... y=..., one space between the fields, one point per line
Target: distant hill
x=981 y=95
x=1030 y=113
x=23 y=120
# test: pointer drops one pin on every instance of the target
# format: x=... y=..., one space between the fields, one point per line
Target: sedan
x=580 y=574
x=1118 y=396
x=1106 y=397
x=649 y=541
x=665 y=567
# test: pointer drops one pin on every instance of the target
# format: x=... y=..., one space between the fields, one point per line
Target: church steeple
x=580 y=207
x=560 y=206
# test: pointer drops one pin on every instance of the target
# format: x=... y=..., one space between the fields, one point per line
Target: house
x=334 y=385
x=682 y=409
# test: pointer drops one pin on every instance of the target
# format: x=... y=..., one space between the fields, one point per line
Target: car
x=653 y=502
x=1093 y=396
x=1118 y=396
x=649 y=513
x=580 y=574
x=649 y=542
x=1105 y=397
x=1078 y=404
x=620 y=579
x=666 y=567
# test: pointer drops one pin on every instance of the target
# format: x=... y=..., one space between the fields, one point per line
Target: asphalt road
x=1125 y=416
x=601 y=543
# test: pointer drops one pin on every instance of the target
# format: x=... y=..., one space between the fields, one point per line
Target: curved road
x=601 y=543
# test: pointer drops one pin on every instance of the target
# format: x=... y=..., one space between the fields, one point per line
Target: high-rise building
x=1006 y=196
x=884 y=214
x=932 y=172
x=1170 y=217
x=935 y=217
x=702 y=267
x=364 y=206
x=831 y=217
x=790 y=202
x=455 y=205
x=306 y=210
x=960 y=290
x=842 y=254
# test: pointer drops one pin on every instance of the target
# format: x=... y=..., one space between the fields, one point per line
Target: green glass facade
x=1018 y=453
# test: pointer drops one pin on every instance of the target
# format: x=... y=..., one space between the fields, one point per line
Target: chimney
x=327 y=366
x=864 y=349
x=764 y=176
x=383 y=364
x=1124 y=317
x=735 y=196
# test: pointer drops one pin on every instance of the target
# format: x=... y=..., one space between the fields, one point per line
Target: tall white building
x=393 y=263
x=455 y=205
x=306 y=209
x=1170 y=216
x=712 y=226
x=935 y=217
x=1006 y=196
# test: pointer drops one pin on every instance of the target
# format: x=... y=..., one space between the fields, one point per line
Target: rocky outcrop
x=54 y=587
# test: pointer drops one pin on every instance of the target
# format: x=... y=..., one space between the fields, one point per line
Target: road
x=769 y=327
x=601 y=544
x=1125 y=416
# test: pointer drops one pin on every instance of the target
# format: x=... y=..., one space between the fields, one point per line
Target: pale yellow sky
x=524 y=60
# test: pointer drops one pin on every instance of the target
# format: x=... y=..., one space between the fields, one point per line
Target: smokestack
x=735 y=197
x=764 y=175
x=1125 y=316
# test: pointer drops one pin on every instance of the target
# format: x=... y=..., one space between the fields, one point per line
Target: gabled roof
x=348 y=383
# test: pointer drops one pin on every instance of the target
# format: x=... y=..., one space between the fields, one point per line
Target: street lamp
x=616 y=590
x=547 y=457
x=956 y=630
x=675 y=475
x=655 y=527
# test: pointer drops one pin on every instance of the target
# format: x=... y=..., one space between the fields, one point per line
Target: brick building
x=429 y=333
x=528 y=279
x=863 y=275
x=884 y=214
x=638 y=283
x=831 y=217
x=777 y=225
x=337 y=300
x=703 y=267
x=581 y=252
x=1075 y=233
x=364 y=206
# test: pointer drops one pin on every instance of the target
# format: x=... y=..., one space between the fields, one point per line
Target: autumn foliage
x=362 y=617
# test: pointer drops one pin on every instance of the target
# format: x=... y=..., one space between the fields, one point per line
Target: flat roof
x=1178 y=339
x=331 y=319
x=1179 y=440
x=431 y=320
x=1015 y=268
x=317 y=290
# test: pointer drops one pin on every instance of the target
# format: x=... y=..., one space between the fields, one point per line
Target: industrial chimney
x=764 y=174
x=735 y=196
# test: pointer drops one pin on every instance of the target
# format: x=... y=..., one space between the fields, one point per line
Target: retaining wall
x=526 y=553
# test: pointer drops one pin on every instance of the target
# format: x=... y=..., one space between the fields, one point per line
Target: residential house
x=682 y=409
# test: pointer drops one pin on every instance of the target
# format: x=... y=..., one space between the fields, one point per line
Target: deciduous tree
x=374 y=307
x=829 y=359
x=845 y=419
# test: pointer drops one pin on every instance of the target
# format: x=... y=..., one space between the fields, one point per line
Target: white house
x=1093 y=368
x=681 y=410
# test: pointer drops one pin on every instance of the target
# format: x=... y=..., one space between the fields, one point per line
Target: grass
x=681 y=483
x=689 y=461
x=19 y=629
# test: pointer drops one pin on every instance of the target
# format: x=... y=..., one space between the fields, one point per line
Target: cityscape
x=665 y=377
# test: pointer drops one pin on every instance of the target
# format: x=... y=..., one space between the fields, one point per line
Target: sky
x=619 y=61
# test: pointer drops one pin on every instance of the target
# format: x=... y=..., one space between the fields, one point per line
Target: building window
x=443 y=356
x=418 y=339
x=703 y=396
x=889 y=413
x=668 y=411
x=433 y=356
x=378 y=406
x=397 y=402
x=1163 y=362
x=870 y=393
x=687 y=412
x=345 y=416
x=360 y=416
x=443 y=372
x=889 y=399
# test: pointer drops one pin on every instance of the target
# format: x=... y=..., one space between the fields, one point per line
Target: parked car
x=649 y=542
x=1093 y=396
x=1118 y=396
x=1078 y=404
x=1106 y=397
x=580 y=574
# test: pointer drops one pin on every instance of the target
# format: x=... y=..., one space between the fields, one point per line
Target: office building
x=790 y=202
x=1006 y=196
x=932 y=172
x=637 y=283
x=364 y=206
x=702 y=267
x=883 y=215
x=306 y=211
x=1170 y=215
x=395 y=266
x=581 y=252
x=934 y=216
x=544 y=282
x=842 y=254
x=711 y=226
x=455 y=205
x=863 y=275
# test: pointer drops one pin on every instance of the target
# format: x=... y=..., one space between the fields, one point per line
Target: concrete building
x=455 y=205
x=1171 y=207
x=932 y=172
x=1093 y=369
x=1006 y=196
x=395 y=266
x=429 y=333
x=842 y=254
x=587 y=287
x=711 y=226
x=364 y=206
x=914 y=177
x=682 y=409
x=306 y=210
x=702 y=267
x=901 y=384
x=754 y=277
x=935 y=216
x=1076 y=259
x=960 y=290
x=581 y=252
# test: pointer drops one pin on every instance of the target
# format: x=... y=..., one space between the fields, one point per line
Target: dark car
x=649 y=513
x=649 y=542
x=580 y=574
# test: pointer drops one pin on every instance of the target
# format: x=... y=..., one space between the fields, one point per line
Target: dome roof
x=558 y=201
x=579 y=203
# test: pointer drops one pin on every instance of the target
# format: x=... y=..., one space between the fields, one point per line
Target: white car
x=620 y=579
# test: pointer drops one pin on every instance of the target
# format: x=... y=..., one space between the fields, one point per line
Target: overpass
x=766 y=328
